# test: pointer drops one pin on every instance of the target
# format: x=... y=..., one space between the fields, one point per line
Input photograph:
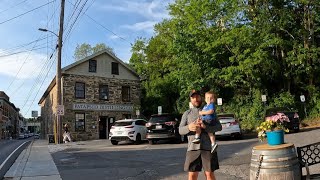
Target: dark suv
x=163 y=126
x=293 y=116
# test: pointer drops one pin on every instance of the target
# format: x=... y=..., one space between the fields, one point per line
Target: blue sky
x=24 y=76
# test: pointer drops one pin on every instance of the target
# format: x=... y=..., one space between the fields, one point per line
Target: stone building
x=96 y=91
x=9 y=117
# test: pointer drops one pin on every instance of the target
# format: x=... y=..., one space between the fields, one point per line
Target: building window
x=80 y=90
x=115 y=68
x=103 y=92
x=92 y=65
x=125 y=93
x=80 y=122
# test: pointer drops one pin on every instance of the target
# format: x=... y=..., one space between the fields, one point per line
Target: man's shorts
x=196 y=160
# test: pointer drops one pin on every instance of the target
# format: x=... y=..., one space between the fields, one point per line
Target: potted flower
x=273 y=129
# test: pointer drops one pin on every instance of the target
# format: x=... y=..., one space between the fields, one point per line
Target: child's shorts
x=210 y=122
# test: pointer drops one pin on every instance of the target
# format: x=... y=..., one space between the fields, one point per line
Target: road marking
x=4 y=162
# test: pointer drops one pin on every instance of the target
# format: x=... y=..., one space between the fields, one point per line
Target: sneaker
x=214 y=148
x=196 y=141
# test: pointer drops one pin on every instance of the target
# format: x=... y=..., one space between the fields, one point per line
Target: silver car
x=230 y=126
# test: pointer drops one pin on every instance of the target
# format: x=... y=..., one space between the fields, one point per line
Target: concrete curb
x=5 y=166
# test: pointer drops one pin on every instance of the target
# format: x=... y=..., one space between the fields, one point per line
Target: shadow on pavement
x=145 y=162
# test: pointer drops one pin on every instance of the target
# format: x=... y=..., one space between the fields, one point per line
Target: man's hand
x=193 y=126
x=201 y=124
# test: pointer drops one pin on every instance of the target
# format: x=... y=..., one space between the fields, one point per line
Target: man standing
x=198 y=156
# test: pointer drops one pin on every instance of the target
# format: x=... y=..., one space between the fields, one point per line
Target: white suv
x=128 y=130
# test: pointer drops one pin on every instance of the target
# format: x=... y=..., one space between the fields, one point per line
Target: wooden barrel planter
x=274 y=163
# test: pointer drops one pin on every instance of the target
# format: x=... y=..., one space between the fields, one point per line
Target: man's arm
x=183 y=127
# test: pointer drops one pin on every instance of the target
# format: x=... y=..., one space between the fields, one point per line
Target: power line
x=25 y=12
x=24 y=45
x=12 y=6
x=40 y=87
x=19 y=52
x=103 y=26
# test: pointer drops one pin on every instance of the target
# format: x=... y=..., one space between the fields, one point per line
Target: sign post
x=303 y=100
x=264 y=100
x=159 y=110
x=219 y=102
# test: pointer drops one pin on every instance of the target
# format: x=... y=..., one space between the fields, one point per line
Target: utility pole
x=58 y=76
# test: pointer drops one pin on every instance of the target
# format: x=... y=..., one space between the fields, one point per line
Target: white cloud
x=30 y=63
x=142 y=26
x=152 y=10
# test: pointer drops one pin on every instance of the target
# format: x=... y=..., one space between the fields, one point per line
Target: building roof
x=63 y=70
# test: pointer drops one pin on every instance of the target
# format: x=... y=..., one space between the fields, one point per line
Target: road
x=101 y=160
x=6 y=148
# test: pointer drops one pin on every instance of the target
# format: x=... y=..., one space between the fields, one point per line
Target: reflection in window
x=125 y=93
x=80 y=90
x=80 y=122
x=103 y=92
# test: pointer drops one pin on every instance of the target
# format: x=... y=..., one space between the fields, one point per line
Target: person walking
x=66 y=134
x=198 y=156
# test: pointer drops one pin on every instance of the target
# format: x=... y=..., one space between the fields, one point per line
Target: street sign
x=264 y=98
x=34 y=113
x=138 y=112
x=159 y=109
x=302 y=98
x=219 y=101
x=60 y=110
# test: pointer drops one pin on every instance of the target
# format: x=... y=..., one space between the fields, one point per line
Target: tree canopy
x=84 y=50
x=238 y=49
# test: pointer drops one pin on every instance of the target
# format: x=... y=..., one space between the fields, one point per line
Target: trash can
x=51 y=138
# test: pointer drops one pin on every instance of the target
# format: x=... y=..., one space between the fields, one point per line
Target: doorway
x=103 y=127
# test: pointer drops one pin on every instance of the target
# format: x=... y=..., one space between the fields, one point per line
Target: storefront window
x=80 y=122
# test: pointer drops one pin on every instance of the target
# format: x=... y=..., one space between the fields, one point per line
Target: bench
x=309 y=155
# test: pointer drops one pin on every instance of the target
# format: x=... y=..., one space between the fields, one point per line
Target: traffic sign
x=138 y=112
x=219 y=101
x=159 y=109
x=302 y=98
x=264 y=98
x=34 y=113
x=60 y=110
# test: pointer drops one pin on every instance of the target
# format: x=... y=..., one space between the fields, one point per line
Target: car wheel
x=113 y=142
x=238 y=136
x=151 y=142
x=138 y=139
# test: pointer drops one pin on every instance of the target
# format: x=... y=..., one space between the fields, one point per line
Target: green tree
x=85 y=50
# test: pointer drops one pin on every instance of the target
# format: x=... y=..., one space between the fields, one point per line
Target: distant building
x=9 y=117
x=96 y=91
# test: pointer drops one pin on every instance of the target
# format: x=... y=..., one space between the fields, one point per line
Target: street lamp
x=46 y=30
x=58 y=123
x=58 y=76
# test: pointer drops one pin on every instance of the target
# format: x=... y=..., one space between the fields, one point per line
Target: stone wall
x=92 y=97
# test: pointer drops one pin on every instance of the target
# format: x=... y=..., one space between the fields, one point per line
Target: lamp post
x=58 y=76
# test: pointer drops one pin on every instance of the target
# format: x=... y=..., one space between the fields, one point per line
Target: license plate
x=158 y=126
x=225 y=125
x=119 y=132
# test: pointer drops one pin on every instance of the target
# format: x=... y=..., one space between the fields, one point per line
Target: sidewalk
x=34 y=163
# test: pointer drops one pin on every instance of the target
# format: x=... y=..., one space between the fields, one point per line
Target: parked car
x=230 y=126
x=36 y=136
x=163 y=126
x=294 y=124
x=128 y=130
x=21 y=136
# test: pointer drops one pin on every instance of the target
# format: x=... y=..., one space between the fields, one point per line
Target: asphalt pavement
x=8 y=154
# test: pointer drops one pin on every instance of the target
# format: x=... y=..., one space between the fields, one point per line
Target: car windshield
x=160 y=119
x=275 y=110
x=123 y=123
